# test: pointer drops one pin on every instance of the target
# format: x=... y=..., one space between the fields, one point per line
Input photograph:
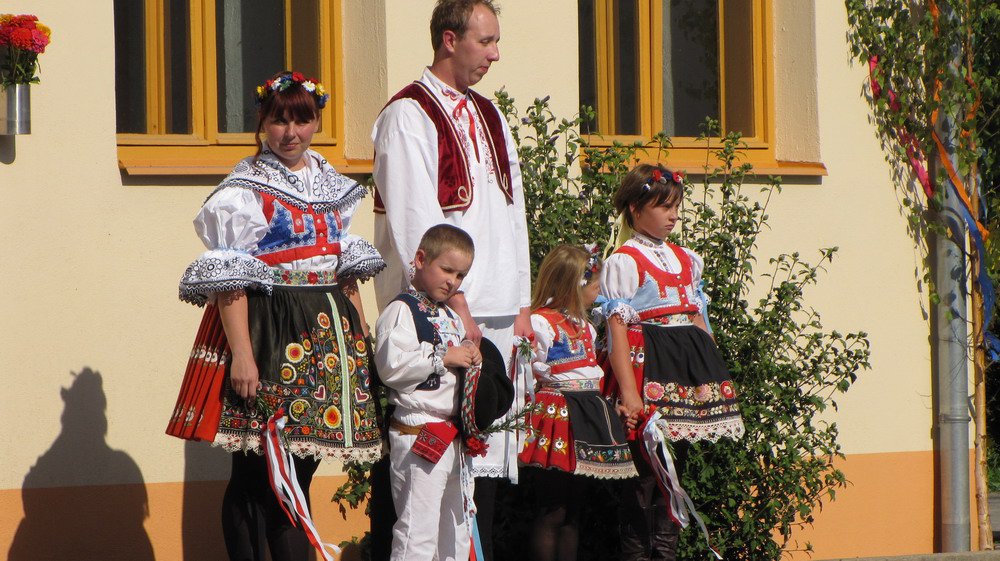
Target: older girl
x=284 y=328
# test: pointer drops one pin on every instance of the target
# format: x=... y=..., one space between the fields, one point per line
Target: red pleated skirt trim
x=199 y=403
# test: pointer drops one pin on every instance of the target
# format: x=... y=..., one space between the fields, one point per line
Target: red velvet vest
x=572 y=346
x=455 y=190
x=679 y=282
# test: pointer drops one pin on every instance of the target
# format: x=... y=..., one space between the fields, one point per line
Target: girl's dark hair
x=294 y=102
x=640 y=188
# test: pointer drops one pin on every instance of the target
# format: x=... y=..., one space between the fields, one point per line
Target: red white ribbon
x=284 y=483
x=669 y=482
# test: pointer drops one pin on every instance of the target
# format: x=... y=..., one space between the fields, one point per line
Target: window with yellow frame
x=665 y=65
x=186 y=71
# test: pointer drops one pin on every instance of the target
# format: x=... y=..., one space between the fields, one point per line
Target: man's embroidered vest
x=293 y=233
x=572 y=346
x=673 y=292
x=455 y=190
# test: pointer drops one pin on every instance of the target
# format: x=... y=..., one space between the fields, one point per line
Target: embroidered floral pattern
x=323 y=421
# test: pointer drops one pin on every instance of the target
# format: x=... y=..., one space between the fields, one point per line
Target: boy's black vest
x=426 y=333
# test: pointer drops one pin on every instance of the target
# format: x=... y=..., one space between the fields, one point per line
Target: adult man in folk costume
x=444 y=153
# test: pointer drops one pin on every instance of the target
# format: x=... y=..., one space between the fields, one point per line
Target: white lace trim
x=731 y=428
x=330 y=190
x=220 y=270
x=251 y=442
x=359 y=260
x=626 y=312
x=437 y=359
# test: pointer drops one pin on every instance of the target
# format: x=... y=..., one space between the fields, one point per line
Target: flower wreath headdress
x=593 y=263
x=658 y=177
x=283 y=82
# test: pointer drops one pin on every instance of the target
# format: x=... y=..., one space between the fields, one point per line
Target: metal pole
x=952 y=342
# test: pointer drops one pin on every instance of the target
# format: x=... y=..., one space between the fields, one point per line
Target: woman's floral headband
x=658 y=177
x=593 y=263
x=282 y=83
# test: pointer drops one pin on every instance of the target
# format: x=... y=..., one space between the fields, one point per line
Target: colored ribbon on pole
x=977 y=231
x=284 y=483
x=658 y=453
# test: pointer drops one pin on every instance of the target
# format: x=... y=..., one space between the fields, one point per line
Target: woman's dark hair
x=641 y=188
x=294 y=102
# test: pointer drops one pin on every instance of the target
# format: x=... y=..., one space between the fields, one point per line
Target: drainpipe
x=951 y=336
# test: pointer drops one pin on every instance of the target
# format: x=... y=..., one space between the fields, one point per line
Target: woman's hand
x=243 y=376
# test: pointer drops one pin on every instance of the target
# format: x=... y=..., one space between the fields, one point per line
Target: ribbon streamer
x=977 y=232
x=658 y=453
x=284 y=483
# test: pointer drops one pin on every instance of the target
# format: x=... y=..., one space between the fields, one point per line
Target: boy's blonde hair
x=439 y=239
x=558 y=285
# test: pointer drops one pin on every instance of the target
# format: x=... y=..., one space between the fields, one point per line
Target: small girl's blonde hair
x=558 y=285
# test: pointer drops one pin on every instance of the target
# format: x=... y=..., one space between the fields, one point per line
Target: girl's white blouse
x=620 y=275
x=544 y=336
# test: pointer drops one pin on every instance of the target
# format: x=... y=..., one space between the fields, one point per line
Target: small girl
x=573 y=430
x=669 y=377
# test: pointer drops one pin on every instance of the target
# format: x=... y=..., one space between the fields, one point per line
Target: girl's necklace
x=659 y=249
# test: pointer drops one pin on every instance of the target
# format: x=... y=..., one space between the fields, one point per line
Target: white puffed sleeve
x=697 y=266
x=619 y=283
x=544 y=335
x=359 y=260
x=403 y=361
x=230 y=224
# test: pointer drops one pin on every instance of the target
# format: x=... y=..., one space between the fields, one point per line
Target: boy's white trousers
x=429 y=506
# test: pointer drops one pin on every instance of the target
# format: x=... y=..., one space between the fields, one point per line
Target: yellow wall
x=93 y=261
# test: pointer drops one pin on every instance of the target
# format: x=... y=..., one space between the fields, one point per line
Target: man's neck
x=441 y=70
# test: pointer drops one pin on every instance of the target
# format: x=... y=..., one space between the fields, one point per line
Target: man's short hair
x=439 y=239
x=453 y=15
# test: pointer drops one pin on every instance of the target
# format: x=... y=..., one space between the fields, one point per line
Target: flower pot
x=15 y=109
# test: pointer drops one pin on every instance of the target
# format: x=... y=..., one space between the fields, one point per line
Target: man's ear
x=448 y=40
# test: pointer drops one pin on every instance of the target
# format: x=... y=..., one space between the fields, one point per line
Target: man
x=444 y=153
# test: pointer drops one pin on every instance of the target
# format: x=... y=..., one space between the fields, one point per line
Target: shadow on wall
x=83 y=500
x=206 y=472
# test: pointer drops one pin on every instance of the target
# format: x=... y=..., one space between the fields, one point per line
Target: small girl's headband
x=658 y=177
x=593 y=263
x=282 y=83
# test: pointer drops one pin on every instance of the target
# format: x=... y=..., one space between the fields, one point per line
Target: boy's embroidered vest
x=572 y=346
x=454 y=182
x=293 y=233
x=674 y=290
x=426 y=332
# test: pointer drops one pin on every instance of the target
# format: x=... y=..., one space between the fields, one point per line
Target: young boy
x=419 y=344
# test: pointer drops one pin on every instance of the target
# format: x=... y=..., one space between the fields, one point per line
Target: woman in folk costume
x=670 y=379
x=574 y=433
x=284 y=329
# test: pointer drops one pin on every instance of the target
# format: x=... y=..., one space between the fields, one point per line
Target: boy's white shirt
x=404 y=362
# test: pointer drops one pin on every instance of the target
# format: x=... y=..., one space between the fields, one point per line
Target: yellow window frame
x=207 y=151
x=687 y=153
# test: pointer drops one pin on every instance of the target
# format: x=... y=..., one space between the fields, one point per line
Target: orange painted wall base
x=165 y=521
x=888 y=509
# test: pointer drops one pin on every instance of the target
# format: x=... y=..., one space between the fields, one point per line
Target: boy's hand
x=477 y=356
x=461 y=356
